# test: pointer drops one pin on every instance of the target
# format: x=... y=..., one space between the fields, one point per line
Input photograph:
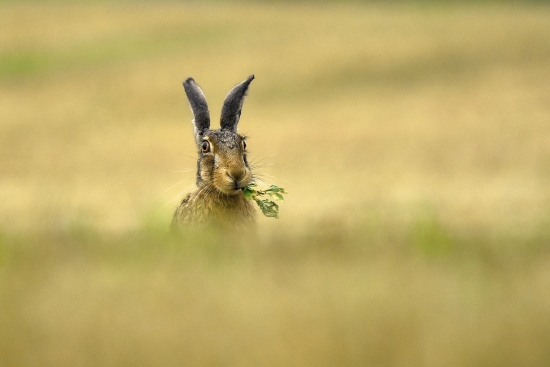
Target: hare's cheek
x=207 y=167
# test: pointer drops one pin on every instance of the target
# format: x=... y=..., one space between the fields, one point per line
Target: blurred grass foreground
x=414 y=141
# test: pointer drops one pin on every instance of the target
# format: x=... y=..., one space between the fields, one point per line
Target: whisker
x=265 y=174
x=187 y=156
x=186 y=190
x=265 y=165
x=264 y=179
x=170 y=201
x=218 y=196
x=177 y=183
x=183 y=192
x=287 y=181
x=254 y=160
x=187 y=170
x=263 y=182
x=204 y=189
x=257 y=179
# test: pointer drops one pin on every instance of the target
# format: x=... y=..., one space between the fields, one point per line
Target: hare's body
x=222 y=167
x=216 y=209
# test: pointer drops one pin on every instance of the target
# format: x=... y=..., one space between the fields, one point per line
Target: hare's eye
x=244 y=144
x=205 y=146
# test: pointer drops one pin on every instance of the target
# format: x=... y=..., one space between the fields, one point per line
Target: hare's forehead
x=224 y=139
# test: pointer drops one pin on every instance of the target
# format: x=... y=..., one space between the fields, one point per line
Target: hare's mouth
x=231 y=183
x=229 y=190
x=232 y=188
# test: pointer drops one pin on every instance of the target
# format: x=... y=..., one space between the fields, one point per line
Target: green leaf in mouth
x=269 y=208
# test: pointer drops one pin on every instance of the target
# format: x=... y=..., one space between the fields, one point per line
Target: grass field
x=414 y=142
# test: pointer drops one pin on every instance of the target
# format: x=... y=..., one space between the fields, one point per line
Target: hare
x=222 y=167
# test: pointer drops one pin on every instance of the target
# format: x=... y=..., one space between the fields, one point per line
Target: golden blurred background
x=413 y=139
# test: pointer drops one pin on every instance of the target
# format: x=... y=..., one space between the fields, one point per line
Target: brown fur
x=214 y=209
x=222 y=167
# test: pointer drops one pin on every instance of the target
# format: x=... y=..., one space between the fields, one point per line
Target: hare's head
x=222 y=163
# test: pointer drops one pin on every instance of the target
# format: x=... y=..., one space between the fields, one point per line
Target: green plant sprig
x=269 y=208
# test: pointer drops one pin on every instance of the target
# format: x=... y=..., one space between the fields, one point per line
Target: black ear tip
x=247 y=82
x=188 y=81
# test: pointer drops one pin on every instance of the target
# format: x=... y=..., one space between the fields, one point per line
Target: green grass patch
x=110 y=51
x=338 y=294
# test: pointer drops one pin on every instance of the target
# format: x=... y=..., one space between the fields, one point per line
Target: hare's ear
x=201 y=116
x=231 y=110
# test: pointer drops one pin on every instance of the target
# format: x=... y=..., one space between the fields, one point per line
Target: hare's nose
x=236 y=175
